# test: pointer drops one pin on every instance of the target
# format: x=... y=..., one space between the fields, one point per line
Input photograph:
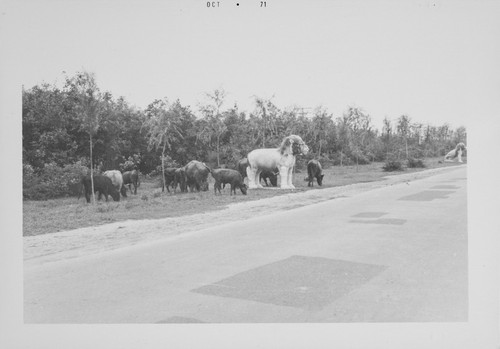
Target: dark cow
x=271 y=175
x=102 y=184
x=180 y=180
x=233 y=177
x=197 y=175
x=242 y=165
x=314 y=170
x=131 y=178
x=169 y=178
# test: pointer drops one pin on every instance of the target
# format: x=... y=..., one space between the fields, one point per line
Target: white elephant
x=457 y=152
x=283 y=158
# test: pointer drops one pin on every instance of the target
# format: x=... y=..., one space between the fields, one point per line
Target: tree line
x=63 y=126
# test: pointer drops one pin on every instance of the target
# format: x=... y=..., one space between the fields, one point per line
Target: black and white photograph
x=261 y=174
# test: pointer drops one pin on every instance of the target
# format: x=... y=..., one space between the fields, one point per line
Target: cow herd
x=191 y=177
x=111 y=183
x=260 y=165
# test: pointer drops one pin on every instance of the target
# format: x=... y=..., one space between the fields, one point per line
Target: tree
x=387 y=136
x=268 y=113
x=344 y=135
x=85 y=92
x=163 y=126
x=322 y=129
x=360 y=124
x=214 y=126
x=403 y=129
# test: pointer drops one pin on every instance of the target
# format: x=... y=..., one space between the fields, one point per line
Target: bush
x=393 y=165
x=414 y=163
x=53 y=181
x=132 y=163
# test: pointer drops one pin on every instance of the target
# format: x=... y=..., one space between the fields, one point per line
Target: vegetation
x=79 y=125
x=41 y=217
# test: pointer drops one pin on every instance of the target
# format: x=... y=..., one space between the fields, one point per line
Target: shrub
x=131 y=163
x=53 y=181
x=414 y=163
x=393 y=165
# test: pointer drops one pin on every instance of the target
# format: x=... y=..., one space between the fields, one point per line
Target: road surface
x=392 y=254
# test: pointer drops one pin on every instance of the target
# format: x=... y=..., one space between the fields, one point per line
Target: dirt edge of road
x=81 y=242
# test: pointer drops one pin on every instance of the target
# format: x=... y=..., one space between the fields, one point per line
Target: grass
x=42 y=217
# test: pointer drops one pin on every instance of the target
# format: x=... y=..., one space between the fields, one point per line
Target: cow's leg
x=460 y=155
x=265 y=181
x=135 y=188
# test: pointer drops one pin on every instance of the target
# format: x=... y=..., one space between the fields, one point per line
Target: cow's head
x=320 y=179
x=115 y=194
x=204 y=186
x=243 y=188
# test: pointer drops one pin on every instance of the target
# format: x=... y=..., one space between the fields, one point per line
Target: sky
x=425 y=59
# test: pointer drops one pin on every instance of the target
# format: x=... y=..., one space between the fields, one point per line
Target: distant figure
x=457 y=152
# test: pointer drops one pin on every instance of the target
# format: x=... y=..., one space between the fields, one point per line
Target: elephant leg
x=284 y=177
x=253 y=178
x=290 y=178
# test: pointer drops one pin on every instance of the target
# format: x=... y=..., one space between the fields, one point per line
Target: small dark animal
x=131 y=178
x=314 y=170
x=233 y=177
x=102 y=184
x=196 y=175
x=242 y=165
x=169 y=178
x=179 y=180
x=271 y=175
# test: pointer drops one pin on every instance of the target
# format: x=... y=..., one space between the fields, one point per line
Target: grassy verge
x=42 y=217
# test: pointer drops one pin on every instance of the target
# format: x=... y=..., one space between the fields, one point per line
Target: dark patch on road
x=179 y=320
x=393 y=221
x=370 y=214
x=303 y=282
x=444 y=186
x=428 y=195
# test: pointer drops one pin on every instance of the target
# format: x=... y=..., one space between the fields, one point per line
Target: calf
x=233 y=177
x=179 y=179
x=169 y=178
x=131 y=178
x=102 y=184
x=314 y=170
x=271 y=175
x=242 y=165
x=117 y=180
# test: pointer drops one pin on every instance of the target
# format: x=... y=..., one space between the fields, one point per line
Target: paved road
x=391 y=254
